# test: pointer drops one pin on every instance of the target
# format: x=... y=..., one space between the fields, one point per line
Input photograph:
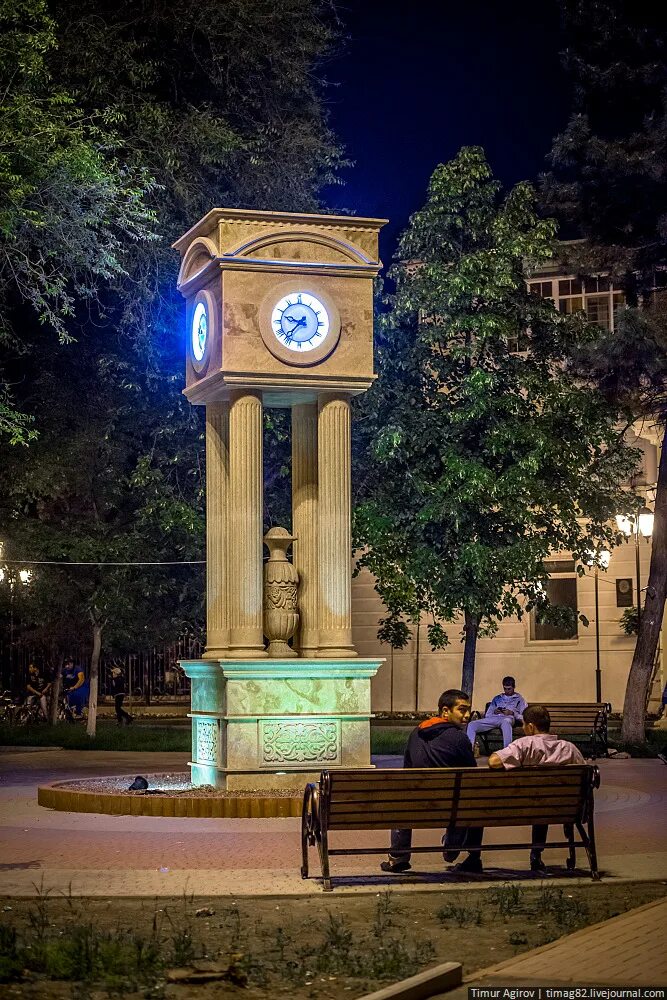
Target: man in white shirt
x=502 y=713
x=537 y=747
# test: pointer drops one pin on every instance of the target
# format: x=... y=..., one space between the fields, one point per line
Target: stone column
x=244 y=524
x=304 y=523
x=217 y=486
x=334 y=533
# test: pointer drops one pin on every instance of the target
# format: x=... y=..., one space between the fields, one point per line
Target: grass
x=656 y=741
x=176 y=737
x=307 y=948
x=390 y=740
x=109 y=737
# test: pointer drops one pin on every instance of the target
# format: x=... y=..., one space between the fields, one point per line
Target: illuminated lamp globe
x=625 y=524
x=646 y=518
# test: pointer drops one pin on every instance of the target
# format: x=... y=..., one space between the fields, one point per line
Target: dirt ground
x=308 y=948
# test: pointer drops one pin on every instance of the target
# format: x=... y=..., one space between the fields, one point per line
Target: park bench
x=434 y=798
x=586 y=721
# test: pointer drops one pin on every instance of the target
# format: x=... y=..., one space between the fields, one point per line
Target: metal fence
x=151 y=676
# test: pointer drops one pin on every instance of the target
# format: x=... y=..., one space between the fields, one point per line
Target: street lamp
x=599 y=558
x=639 y=524
x=13 y=578
x=603 y=558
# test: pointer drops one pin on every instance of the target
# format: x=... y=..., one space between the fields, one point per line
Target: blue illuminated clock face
x=199 y=331
x=300 y=322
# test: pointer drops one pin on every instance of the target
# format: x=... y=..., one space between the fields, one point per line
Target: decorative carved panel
x=208 y=741
x=302 y=741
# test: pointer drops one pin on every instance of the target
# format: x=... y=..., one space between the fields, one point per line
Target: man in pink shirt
x=538 y=746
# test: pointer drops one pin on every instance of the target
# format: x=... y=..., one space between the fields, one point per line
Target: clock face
x=300 y=322
x=199 y=331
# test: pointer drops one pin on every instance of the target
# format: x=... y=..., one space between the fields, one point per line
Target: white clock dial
x=300 y=322
x=199 y=331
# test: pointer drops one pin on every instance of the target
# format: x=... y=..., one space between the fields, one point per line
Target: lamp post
x=603 y=558
x=12 y=577
x=637 y=524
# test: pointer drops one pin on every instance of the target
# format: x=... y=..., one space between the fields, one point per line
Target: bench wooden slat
x=479 y=820
x=343 y=815
x=480 y=789
x=442 y=804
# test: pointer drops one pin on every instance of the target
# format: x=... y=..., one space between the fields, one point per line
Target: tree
x=112 y=481
x=202 y=97
x=485 y=455
x=609 y=183
x=70 y=209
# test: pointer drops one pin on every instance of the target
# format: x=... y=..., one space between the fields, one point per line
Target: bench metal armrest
x=311 y=828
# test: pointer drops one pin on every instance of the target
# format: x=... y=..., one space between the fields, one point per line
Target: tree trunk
x=91 y=728
x=634 y=708
x=419 y=625
x=56 y=689
x=469 y=650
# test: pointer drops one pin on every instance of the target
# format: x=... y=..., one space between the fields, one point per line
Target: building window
x=561 y=589
x=595 y=296
x=573 y=305
x=597 y=310
x=540 y=288
x=569 y=286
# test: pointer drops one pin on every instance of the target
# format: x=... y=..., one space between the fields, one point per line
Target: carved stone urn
x=281 y=581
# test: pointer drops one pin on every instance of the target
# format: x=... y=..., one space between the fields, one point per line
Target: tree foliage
x=70 y=210
x=608 y=178
x=609 y=181
x=485 y=454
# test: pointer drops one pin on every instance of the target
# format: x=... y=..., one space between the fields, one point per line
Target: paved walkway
x=628 y=950
x=90 y=854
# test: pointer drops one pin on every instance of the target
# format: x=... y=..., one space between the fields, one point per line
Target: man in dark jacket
x=439 y=742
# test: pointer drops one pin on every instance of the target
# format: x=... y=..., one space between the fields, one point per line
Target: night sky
x=418 y=80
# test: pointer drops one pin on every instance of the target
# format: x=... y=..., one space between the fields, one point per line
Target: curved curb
x=60 y=796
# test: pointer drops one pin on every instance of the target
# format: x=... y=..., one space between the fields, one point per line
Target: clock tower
x=279 y=313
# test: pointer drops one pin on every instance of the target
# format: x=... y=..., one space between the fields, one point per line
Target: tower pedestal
x=275 y=724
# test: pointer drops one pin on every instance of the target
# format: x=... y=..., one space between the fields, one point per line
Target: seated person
x=538 y=746
x=438 y=742
x=37 y=689
x=504 y=711
x=75 y=687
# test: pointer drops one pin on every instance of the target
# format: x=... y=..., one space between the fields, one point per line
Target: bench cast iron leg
x=589 y=844
x=571 y=863
x=304 y=852
x=323 y=845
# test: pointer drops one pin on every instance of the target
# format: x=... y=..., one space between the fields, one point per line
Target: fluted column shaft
x=244 y=520
x=217 y=486
x=304 y=523
x=335 y=533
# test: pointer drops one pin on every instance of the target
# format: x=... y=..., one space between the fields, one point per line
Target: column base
x=215 y=653
x=341 y=653
x=246 y=653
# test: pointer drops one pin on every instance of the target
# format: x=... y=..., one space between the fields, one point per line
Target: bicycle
x=8 y=708
x=29 y=713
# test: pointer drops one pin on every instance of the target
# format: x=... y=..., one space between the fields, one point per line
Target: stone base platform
x=276 y=723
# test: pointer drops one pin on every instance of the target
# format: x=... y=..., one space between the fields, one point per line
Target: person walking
x=119 y=690
x=503 y=713
x=537 y=747
x=439 y=742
